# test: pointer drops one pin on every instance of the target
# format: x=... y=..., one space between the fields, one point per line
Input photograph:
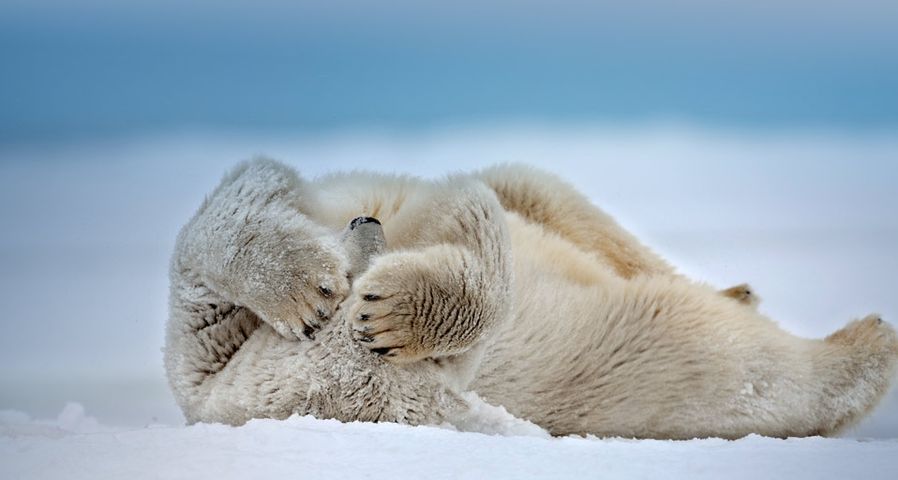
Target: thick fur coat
x=287 y=296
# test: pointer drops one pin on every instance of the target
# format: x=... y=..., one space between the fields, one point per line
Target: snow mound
x=72 y=419
x=482 y=417
x=75 y=447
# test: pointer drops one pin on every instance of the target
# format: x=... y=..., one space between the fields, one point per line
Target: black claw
x=360 y=220
x=363 y=317
x=308 y=332
x=321 y=314
x=371 y=297
x=381 y=351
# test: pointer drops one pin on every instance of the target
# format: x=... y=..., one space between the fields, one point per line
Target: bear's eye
x=325 y=292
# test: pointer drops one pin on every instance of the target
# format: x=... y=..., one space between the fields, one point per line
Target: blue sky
x=83 y=70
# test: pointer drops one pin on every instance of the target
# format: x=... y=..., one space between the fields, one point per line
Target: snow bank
x=75 y=447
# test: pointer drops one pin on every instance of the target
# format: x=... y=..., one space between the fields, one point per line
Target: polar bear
x=361 y=296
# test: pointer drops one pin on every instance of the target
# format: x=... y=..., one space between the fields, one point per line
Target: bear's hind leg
x=857 y=364
x=679 y=360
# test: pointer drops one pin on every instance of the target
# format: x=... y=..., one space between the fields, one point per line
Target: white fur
x=506 y=282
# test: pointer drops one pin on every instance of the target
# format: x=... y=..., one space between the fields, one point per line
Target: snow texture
x=75 y=447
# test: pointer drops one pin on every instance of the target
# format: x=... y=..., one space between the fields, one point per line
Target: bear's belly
x=555 y=290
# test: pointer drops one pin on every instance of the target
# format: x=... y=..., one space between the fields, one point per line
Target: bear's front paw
x=297 y=287
x=435 y=302
x=386 y=327
x=396 y=304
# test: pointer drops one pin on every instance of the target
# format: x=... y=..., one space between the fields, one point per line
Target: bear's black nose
x=360 y=220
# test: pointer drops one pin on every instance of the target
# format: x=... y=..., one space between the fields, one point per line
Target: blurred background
x=746 y=140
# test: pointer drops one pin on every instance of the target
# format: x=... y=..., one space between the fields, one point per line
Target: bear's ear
x=363 y=240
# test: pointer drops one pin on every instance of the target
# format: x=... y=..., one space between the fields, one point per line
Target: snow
x=806 y=218
x=494 y=420
x=76 y=447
